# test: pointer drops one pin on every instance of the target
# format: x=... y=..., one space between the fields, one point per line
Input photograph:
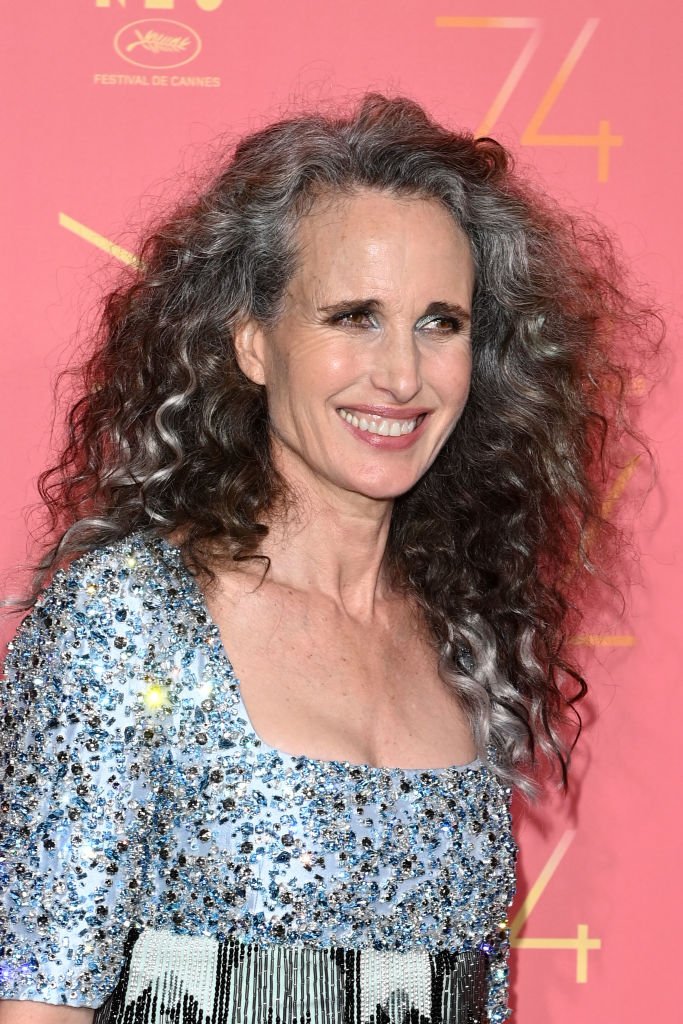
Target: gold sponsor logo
x=157 y=43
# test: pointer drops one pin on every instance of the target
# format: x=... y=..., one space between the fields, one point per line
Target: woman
x=319 y=531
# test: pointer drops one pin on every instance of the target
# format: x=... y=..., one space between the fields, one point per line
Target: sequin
x=137 y=798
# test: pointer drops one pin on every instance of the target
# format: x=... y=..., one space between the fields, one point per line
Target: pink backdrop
x=96 y=116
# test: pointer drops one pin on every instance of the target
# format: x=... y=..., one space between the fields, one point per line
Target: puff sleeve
x=71 y=795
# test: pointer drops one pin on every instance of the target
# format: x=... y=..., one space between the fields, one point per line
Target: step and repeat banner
x=112 y=106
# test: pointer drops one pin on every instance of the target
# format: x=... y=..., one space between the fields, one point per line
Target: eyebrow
x=437 y=308
x=448 y=309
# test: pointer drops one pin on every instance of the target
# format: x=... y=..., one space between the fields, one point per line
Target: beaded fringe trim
x=178 y=979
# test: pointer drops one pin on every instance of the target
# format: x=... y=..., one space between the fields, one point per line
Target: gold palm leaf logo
x=155 y=42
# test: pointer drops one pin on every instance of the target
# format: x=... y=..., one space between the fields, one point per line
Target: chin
x=382 y=490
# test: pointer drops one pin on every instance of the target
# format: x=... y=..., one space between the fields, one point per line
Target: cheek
x=300 y=379
x=316 y=371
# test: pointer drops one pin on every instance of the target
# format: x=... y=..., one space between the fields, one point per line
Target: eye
x=442 y=325
x=357 y=318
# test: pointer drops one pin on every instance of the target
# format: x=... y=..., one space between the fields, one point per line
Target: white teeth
x=379 y=424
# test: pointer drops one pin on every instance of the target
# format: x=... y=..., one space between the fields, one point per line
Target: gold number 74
x=602 y=140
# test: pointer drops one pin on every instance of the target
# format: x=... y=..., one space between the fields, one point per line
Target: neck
x=331 y=542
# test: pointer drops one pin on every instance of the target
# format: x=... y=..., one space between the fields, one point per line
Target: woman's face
x=368 y=369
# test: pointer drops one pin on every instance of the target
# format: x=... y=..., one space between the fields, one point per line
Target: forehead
x=373 y=234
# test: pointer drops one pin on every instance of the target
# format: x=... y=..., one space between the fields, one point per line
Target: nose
x=396 y=368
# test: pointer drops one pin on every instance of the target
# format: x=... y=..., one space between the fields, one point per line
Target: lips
x=375 y=424
x=384 y=428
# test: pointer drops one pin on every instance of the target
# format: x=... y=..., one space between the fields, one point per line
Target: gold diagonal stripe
x=619 y=485
x=602 y=640
x=612 y=497
x=539 y=886
x=99 y=241
x=518 y=68
x=559 y=81
x=460 y=21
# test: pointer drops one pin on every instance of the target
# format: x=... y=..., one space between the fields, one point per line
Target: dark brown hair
x=497 y=540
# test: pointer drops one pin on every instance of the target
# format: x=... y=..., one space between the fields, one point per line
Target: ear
x=250 y=346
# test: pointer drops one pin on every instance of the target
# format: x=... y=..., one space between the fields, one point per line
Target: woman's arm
x=26 y=1011
x=69 y=859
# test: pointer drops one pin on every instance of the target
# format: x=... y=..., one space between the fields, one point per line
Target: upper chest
x=237 y=835
x=317 y=682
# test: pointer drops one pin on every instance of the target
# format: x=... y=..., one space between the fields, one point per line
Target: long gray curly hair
x=499 y=537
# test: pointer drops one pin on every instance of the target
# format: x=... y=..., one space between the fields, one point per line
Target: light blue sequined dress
x=162 y=863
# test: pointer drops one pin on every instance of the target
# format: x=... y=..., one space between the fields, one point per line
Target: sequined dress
x=160 y=862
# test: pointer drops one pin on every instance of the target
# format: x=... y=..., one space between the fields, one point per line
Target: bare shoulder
x=26 y=1011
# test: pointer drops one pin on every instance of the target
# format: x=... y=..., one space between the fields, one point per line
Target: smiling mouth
x=382 y=425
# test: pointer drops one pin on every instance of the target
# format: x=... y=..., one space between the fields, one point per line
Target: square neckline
x=213 y=639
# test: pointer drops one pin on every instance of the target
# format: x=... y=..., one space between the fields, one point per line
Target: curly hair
x=497 y=540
